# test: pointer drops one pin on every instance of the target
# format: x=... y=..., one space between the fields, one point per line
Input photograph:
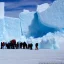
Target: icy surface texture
x=49 y=41
x=34 y=27
x=1 y=29
x=38 y=29
x=54 y=15
x=12 y=28
x=26 y=18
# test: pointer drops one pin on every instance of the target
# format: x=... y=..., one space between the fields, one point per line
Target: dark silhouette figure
x=8 y=45
x=13 y=43
x=31 y=45
x=24 y=45
x=36 y=46
x=21 y=45
x=17 y=45
x=2 y=45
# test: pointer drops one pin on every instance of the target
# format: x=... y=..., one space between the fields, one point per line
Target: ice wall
x=54 y=15
x=26 y=18
x=1 y=29
x=12 y=28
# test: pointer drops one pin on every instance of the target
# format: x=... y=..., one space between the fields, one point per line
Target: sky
x=14 y=7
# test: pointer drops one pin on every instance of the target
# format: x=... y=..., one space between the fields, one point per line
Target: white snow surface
x=41 y=56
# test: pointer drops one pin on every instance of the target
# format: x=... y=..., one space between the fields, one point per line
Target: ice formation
x=42 y=7
x=10 y=29
x=13 y=28
x=36 y=27
x=54 y=15
x=26 y=18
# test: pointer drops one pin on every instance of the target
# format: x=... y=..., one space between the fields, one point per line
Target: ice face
x=1 y=29
x=26 y=18
x=54 y=15
x=32 y=26
x=12 y=28
x=28 y=24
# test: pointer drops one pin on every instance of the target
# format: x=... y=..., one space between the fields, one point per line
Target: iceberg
x=31 y=24
x=36 y=27
x=54 y=15
x=10 y=29
x=1 y=29
x=26 y=18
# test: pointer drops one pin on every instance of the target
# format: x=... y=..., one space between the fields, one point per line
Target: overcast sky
x=14 y=7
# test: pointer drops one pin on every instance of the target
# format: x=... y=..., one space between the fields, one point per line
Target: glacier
x=33 y=27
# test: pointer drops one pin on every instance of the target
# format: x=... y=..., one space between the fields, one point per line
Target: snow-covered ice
x=54 y=15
